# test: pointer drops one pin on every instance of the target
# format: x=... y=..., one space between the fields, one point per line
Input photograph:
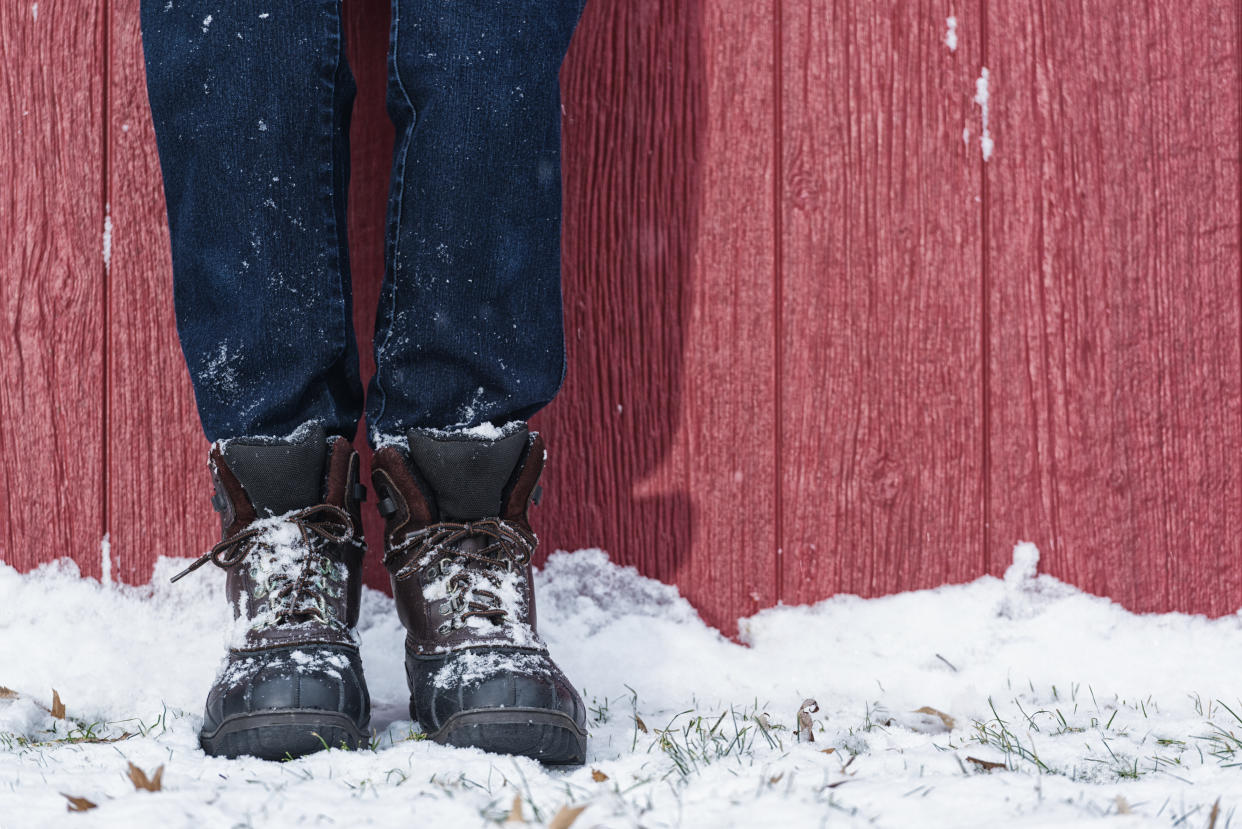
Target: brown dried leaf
x=58 y=707
x=1214 y=814
x=78 y=804
x=772 y=781
x=948 y=721
x=638 y=721
x=143 y=783
x=598 y=776
x=985 y=765
x=808 y=707
x=7 y=693
x=515 y=811
x=566 y=816
x=827 y=750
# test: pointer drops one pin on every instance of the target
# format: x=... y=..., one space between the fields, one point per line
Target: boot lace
x=296 y=598
x=474 y=577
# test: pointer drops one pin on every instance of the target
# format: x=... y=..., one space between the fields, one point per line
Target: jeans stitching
x=398 y=196
x=334 y=122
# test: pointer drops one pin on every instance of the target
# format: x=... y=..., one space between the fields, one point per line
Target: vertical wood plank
x=158 y=486
x=51 y=283
x=660 y=441
x=881 y=451
x=1114 y=279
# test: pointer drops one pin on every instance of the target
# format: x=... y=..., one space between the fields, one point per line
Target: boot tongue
x=467 y=474
x=280 y=476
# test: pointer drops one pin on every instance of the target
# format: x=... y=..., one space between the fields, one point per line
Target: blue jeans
x=251 y=103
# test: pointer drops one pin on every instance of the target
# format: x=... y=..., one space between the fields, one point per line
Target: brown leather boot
x=458 y=547
x=292 y=545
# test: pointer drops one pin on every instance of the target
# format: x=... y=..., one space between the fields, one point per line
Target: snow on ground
x=1060 y=709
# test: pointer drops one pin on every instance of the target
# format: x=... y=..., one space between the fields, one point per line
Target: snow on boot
x=458 y=546
x=292 y=546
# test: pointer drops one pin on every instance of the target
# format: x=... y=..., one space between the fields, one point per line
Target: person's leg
x=469 y=323
x=469 y=345
x=251 y=106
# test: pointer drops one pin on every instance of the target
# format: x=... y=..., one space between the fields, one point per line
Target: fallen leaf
x=1214 y=815
x=772 y=781
x=948 y=721
x=638 y=721
x=808 y=707
x=827 y=750
x=7 y=693
x=58 y=707
x=598 y=776
x=515 y=812
x=566 y=816
x=77 y=804
x=985 y=765
x=143 y=783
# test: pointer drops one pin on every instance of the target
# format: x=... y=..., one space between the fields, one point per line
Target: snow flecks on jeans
x=220 y=373
x=950 y=34
x=471 y=412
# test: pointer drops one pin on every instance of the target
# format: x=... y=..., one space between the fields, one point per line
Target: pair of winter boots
x=457 y=546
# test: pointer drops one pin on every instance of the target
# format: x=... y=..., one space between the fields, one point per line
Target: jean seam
x=334 y=122
x=398 y=196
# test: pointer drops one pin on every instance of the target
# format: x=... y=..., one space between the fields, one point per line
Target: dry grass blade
x=58 y=707
x=985 y=765
x=515 y=811
x=78 y=804
x=1214 y=814
x=808 y=707
x=143 y=783
x=7 y=693
x=566 y=816
x=598 y=776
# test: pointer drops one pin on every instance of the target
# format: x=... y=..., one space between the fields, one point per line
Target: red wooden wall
x=817 y=342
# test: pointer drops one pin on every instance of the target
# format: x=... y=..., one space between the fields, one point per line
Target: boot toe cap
x=304 y=678
x=501 y=700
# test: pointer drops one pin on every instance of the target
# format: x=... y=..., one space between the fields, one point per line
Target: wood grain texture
x=881 y=454
x=816 y=343
x=157 y=480
x=660 y=441
x=1113 y=266
x=51 y=283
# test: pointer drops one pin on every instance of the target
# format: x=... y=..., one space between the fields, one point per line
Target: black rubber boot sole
x=282 y=735
x=551 y=737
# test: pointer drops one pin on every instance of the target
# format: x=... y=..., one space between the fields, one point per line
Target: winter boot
x=292 y=547
x=458 y=547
